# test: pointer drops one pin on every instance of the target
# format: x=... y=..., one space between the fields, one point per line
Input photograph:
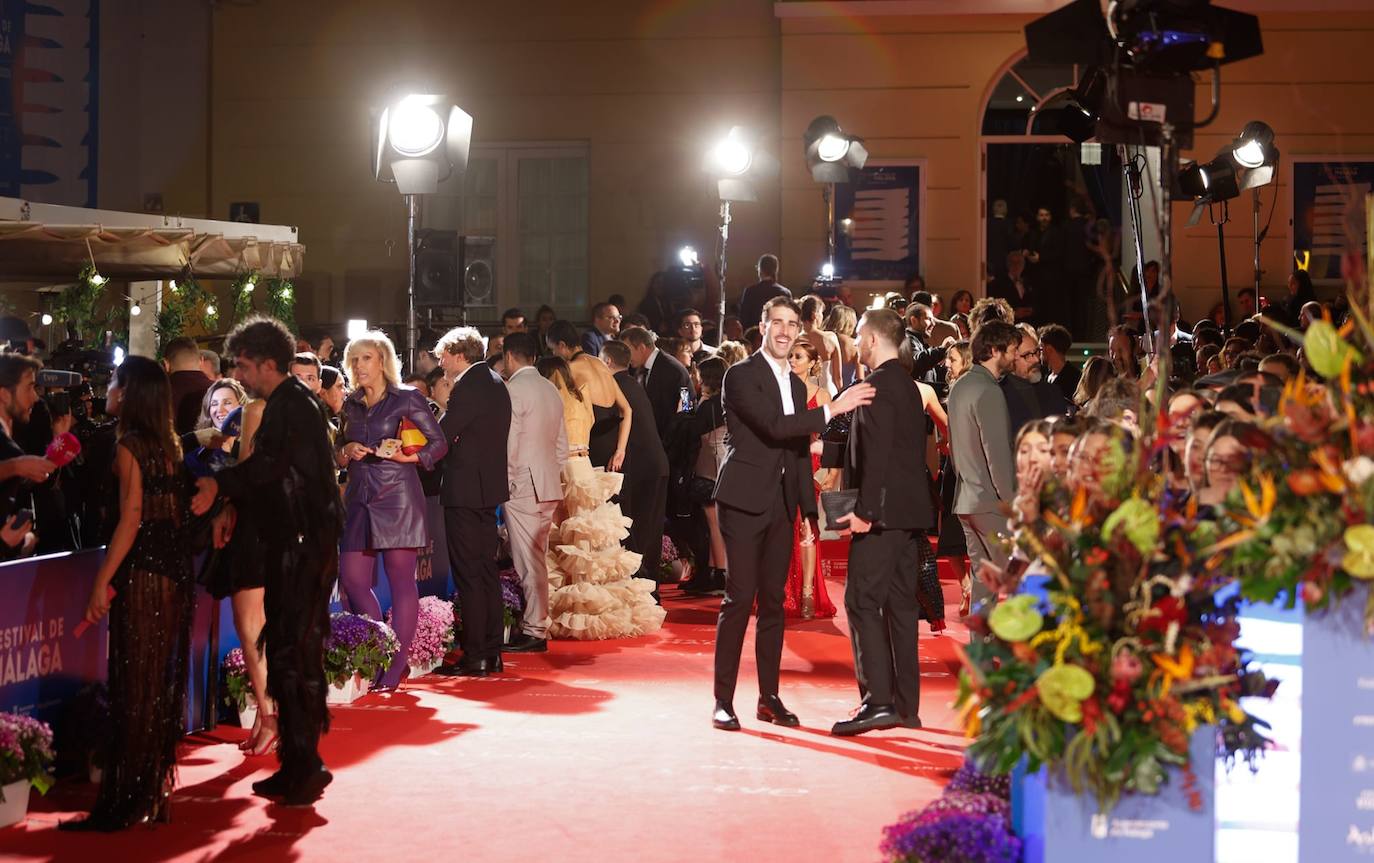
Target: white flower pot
x=16 y=802
x=422 y=670
x=248 y=715
x=350 y=692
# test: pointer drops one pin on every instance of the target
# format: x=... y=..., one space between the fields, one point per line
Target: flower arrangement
x=969 y=823
x=238 y=691
x=357 y=645
x=512 y=597
x=26 y=753
x=1106 y=674
x=667 y=557
x=433 y=634
x=1302 y=524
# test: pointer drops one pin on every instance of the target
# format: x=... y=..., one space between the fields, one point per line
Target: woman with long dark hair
x=1300 y=293
x=148 y=565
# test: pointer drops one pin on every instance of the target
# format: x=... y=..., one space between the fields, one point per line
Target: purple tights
x=355 y=574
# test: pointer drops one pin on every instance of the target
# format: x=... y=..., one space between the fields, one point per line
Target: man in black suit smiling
x=764 y=479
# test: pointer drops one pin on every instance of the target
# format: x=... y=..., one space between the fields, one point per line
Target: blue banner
x=1336 y=809
x=1329 y=215
x=878 y=223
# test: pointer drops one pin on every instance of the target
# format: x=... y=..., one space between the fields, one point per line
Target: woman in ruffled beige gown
x=592 y=594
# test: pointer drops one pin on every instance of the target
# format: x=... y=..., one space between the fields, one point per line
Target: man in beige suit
x=535 y=454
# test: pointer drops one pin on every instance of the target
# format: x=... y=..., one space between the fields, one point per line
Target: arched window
x=1023 y=85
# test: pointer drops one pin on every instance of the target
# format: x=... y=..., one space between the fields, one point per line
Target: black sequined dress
x=150 y=633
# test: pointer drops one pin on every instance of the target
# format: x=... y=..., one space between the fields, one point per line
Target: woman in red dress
x=805 y=596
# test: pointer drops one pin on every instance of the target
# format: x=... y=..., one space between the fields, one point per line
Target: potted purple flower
x=673 y=565
x=26 y=756
x=433 y=635
x=971 y=822
x=238 y=691
x=356 y=651
x=512 y=600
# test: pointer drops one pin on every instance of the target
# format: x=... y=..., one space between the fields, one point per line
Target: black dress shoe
x=525 y=643
x=698 y=585
x=771 y=709
x=724 y=717
x=308 y=789
x=871 y=717
x=466 y=668
x=495 y=666
x=275 y=785
x=912 y=721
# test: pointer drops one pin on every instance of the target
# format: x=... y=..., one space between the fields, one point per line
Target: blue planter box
x=1059 y=826
x=1336 y=809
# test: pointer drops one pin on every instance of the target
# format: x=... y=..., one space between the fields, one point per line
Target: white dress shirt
x=782 y=373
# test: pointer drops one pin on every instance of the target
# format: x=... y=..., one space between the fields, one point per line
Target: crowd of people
x=572 y=452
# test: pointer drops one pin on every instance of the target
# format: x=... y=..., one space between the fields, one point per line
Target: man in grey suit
x=536 y=451
x=980 y=435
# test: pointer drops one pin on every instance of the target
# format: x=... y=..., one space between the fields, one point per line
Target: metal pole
x=412 y=234
x=830 y=224
x=1225 y=287
x=1256 y=194
x=1135 y=190
x=1168 y=167
x=720 y=265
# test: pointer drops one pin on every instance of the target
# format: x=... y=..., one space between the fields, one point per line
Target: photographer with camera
x=19 y=472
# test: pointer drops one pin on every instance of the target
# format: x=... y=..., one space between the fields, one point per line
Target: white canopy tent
x=47 y=241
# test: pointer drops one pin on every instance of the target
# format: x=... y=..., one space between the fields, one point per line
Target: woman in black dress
x=148 y=565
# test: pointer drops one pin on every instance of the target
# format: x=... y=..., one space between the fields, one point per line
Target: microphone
x=63 y=449
x=57 y=378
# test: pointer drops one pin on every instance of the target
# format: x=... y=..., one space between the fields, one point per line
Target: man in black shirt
x=751 y=302
x=288 y=499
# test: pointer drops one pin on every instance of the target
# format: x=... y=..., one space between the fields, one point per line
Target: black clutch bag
x=838 y=504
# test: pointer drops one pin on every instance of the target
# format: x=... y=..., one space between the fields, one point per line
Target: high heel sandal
x=248 y=742
x=808 y=608
x=265 y=744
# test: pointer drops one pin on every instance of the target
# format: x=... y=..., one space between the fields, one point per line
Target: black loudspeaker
x=436 y=268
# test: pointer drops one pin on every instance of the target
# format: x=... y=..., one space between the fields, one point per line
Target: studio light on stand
x=1248 y=162
x=420 y=140
x=735 y=164
x=831 y=154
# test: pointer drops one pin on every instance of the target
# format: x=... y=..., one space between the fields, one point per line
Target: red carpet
x=596 y=752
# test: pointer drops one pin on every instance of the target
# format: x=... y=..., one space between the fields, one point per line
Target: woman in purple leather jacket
x=384 y=503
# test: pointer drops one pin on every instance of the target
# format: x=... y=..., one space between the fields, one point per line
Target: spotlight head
x=1255 y=145
x=118 y=356
x=688 y=256
x=827 y=271
x=420 y=140
x=733 y=154
x=830 y=152
x=356 y=328
x=1210 y=182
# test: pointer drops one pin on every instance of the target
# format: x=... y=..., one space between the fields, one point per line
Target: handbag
x=837 y=504
x=702 y=490
x=412 y=439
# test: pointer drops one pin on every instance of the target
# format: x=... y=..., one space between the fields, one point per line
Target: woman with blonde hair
x=826 y=344
x=384 y=502
x=843 y=322
x=1096 y=372
x=732 y=352
x=593 y=593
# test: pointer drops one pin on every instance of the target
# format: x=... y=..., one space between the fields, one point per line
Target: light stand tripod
x=720 y=266
x=1221 y=253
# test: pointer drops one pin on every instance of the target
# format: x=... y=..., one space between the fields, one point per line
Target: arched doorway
x=1027 y=165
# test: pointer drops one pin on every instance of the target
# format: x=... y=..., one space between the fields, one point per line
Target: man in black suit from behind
x=477 y=424
x=645 y=491
x=663 y=377
x=752 y=301
x=885 y=463
x=764 y=479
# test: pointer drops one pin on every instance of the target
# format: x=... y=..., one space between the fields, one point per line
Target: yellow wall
x=646 y=85
x=643 y=87
x=914 y=87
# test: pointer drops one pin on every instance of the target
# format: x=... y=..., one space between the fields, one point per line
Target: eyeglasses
x=1029 y=355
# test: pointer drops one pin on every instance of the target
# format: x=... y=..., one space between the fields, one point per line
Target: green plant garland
x=76 y=305
x=280 y=302
x=184 y=301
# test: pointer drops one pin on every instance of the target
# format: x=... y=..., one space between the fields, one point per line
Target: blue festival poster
x=878 y=223
x=1329 y=214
